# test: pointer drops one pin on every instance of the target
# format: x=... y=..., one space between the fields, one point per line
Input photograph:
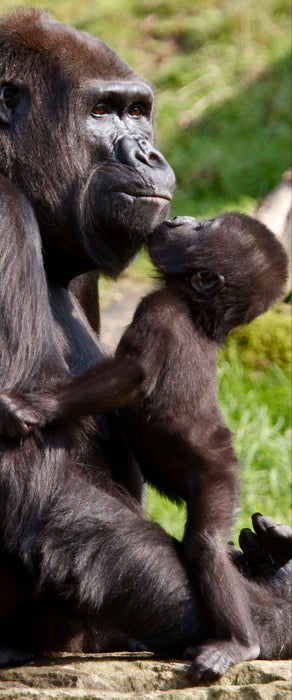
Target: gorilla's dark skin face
x=77 y=135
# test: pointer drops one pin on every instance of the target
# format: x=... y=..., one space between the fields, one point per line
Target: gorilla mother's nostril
x=143 y=157
x=130 y=150
x=154 y=157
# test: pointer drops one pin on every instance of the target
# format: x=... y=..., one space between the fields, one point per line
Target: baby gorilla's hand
x=18 y=415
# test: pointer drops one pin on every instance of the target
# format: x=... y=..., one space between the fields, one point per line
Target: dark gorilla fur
x=81 y=187
x=217 y=274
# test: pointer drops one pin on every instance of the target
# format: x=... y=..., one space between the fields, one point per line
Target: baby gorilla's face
x=186 y=244
x=233 y=258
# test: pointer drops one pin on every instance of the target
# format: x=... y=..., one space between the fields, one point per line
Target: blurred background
x=221 y=72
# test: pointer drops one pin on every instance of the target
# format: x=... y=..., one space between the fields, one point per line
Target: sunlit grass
x=221 y=72
x=256 y=407
x=255 y=399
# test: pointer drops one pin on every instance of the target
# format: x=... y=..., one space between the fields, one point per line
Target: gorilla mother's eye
x=99 y=110
x=136 y=111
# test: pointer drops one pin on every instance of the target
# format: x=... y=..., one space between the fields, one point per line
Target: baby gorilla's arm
x=103 y=388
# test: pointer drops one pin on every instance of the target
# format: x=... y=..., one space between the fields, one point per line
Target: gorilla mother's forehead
x=35 y=34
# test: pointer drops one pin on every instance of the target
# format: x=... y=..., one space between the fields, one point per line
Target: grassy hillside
x=221 y=72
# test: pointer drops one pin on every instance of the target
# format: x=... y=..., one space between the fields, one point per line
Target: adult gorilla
x=81 y=187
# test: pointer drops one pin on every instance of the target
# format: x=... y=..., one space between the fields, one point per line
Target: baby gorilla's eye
x=135 y=111
x=100 y=110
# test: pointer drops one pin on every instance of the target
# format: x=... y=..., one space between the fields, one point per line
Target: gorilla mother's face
x=78 y=132
x=131 y=184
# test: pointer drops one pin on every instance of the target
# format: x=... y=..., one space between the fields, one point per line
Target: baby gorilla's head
x=232 y=266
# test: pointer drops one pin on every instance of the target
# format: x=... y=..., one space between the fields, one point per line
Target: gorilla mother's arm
x=27 y=335
x=28 y=348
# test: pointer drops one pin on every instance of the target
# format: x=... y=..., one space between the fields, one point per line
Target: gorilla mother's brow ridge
x=118 y=93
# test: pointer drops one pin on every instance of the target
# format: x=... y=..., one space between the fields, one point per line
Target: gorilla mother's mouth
x=154 y=196
x=151 y=196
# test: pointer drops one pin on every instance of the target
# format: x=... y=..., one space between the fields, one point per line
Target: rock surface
x=140 y=676
x=275 y=211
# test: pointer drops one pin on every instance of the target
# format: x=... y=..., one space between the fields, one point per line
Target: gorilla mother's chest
x=78 y=343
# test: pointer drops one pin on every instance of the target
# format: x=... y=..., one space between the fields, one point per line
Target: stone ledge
x=140 y=676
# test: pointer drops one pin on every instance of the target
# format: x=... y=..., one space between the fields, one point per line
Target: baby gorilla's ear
x=207 y=283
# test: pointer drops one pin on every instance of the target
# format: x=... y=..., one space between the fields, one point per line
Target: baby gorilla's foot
x=212 y=660
x=268 y=548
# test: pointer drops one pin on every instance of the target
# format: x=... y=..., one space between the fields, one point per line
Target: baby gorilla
x=217 y=274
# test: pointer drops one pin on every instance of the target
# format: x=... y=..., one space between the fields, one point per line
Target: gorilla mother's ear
x=13 y=99
x=207 y=283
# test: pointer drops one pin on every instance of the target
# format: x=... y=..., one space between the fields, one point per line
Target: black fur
x=217 y=274
x=81 y=188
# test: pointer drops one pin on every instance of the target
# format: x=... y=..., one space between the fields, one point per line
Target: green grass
x=221 y=71
x=254 y=390
x=256 y=407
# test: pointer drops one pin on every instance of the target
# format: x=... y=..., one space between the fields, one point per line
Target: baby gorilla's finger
x=275 y=538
